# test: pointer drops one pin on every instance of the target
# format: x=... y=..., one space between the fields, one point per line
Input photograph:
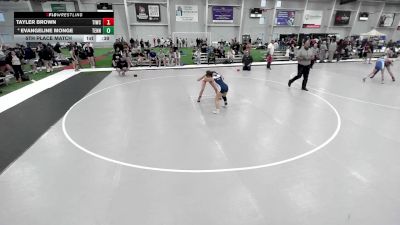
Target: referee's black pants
x=302 y=71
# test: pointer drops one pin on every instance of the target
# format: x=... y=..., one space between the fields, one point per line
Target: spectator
x=322 y=52
x=75 y=56
x=197 y=56
x=291 y=51
x=177 y=55
x=141 y=43
x=371 y=52
x=162 y=42
x=211 y=56
x=231 y=55
x=172 y=60
x=30 y=57
x=269 y=61
x=152 y=56
x=16 y=64
x=57 y=50
x=122 y=66
x=271 y=47
x=47 y=57
x=315 y=52
x=162 y=58
x=368 y=50
x=116 y=57
x=276 y=45
x=332 y=49
x=118 y=44
x=126 y=52
x=247 y=60
x=131 y=42
x=89 y=51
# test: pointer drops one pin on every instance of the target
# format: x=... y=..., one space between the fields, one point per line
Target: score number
x=108 y=26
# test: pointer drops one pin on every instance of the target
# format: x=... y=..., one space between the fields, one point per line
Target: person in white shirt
x=16 y=65
x=271 y=47
x=197 y=56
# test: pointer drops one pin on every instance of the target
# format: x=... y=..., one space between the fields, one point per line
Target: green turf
x=186 y=59
x=97 y=51
x=34 y=77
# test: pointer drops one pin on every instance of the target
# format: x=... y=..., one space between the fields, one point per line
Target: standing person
x=177 y=54
x=370 y=51
x=322 y=52
x=304 y=57
x=48 y=58
x=339 y=50
x=379 y=66
x=30 y=57
x=247 y=60
x=39 y=50
x=90 y=54
x=331 y=50
x=162 y=42
x=57 y=50
x=231 y=55
x=271 y=47
x=315 y=51
x=197 y=56
x=291 y=52
x=269 y=61
x=15 y=62
x=74 y=52
x=131 y=42
x=213 y=77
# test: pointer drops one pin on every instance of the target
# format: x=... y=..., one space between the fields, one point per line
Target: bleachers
x=280 y=56
x=204 y=59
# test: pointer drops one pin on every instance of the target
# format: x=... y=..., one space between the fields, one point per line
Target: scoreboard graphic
x=64 y=26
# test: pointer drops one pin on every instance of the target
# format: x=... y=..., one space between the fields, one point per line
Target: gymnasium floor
x=143 y=151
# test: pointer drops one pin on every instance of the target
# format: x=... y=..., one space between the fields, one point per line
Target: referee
x=304 y=57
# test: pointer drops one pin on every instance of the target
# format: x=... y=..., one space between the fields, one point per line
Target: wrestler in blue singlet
x=379 y=65
x=220 y=81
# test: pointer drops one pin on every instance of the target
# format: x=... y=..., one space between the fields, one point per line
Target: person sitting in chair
x=211 y=57
x=152 y=56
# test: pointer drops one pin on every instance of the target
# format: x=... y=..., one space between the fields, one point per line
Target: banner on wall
x=54 y=6
x=285 y=18
x=58 y=8
x=312 y=19
x=342 y=17
x=186 y=13
x=147 y=12
x=386 y=20
x=222 y=14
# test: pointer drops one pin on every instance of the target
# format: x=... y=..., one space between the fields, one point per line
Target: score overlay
x=64 y=26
